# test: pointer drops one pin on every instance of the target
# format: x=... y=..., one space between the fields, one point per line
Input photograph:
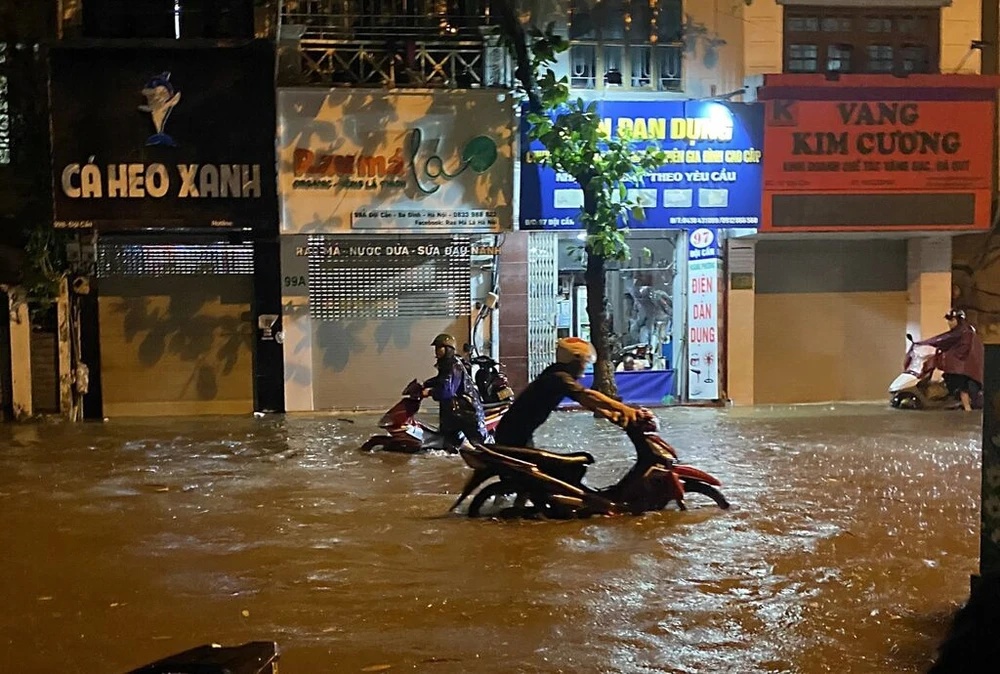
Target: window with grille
x=626 y=44
x=389 y=277
x=863 y=40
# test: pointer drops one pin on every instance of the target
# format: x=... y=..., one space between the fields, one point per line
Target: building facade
x=163 y=181
x=878 y=152
x=397 y=136
x=25 y=210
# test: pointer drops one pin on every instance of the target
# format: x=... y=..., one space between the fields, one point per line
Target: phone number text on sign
x=477 y=220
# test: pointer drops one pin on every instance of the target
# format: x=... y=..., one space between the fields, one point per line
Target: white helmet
x=575 y=350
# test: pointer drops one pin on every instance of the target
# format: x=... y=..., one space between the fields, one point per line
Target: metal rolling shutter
x=374 y=315
x=175 y=323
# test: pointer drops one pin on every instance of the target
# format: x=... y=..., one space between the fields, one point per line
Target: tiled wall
x=514 y=308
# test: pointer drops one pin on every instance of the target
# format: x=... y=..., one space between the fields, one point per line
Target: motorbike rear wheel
x=699 y=487
x=490 y=502
x=491 y=496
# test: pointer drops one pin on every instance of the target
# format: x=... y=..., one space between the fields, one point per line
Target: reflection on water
x=851 y=539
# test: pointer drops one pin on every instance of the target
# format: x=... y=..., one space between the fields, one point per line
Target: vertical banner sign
x=703 y=315
x=711 y=176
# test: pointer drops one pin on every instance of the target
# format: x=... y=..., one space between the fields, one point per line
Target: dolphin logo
x=160 y=100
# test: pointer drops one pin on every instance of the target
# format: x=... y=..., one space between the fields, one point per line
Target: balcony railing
x=413 y=43
x=450 y=64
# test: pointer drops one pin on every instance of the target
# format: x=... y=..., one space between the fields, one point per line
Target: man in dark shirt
x=461 y=409
x=543 y=395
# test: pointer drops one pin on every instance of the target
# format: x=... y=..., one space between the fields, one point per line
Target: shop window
x=838 y=39
x=616 y=44
x=640 y=300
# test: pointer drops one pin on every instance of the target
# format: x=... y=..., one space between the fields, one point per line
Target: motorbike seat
x=540 y=456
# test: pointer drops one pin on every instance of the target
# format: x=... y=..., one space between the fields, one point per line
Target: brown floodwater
x=851 y=539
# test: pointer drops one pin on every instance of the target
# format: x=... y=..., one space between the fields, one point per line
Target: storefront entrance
x=175 y=329
x=361 y=312
x=646 y=306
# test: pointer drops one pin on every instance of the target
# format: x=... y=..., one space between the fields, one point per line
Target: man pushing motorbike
x=462 y=412
x=556 y=382
x=961 y=359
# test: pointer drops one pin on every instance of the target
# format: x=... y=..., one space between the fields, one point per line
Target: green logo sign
x=479 y=154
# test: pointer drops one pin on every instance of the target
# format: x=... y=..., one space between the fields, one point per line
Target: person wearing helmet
x=556 y=382
x=960 y=358
x=461 y=409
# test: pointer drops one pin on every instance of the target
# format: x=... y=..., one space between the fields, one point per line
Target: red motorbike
x=406 y=434
x=533 y=482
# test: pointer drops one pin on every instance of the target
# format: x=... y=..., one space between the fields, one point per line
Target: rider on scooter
x=556 y=382
x=461 y=408
x=961 y=358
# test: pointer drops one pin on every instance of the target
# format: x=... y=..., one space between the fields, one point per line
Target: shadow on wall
x=193 y=327
x=339 y=340
x=976 y=281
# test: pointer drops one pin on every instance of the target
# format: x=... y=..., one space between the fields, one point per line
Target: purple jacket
x=961 y=351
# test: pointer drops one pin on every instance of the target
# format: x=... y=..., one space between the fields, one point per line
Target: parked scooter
x=632 y=357
x=406 y=434
x=921 y=386
x=254 y=657
x=489 y=375
x=491 y=382
x=534 y=482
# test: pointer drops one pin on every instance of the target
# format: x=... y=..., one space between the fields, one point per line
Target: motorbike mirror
x=909 y=337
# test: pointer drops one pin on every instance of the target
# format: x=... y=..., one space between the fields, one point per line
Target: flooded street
x=851 y=539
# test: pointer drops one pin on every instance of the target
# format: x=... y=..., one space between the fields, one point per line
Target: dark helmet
x=957 y=314
x=444 y=339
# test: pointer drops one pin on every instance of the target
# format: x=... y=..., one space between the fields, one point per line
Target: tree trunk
x=604 y=378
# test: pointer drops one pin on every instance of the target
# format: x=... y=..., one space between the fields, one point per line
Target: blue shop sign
x=712 y=177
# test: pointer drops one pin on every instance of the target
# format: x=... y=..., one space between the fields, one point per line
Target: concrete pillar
x=20 y=355
x=740 y=321
x=296 y=324
x=928 y=270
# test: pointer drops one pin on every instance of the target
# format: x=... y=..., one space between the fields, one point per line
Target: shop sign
x=345 y=249
x=704 y=276
x=163 y=137
x=711 y=178
x=826 y=148
x=391 y=162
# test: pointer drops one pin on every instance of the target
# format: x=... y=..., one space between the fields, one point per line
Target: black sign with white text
x=164 y=137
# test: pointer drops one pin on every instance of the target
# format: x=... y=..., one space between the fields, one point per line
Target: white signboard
x=703 y=315
x=371 y=161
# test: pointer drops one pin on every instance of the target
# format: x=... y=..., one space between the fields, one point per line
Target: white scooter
x=921 y=385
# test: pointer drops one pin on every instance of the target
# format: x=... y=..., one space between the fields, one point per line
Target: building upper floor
x=897 y=37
